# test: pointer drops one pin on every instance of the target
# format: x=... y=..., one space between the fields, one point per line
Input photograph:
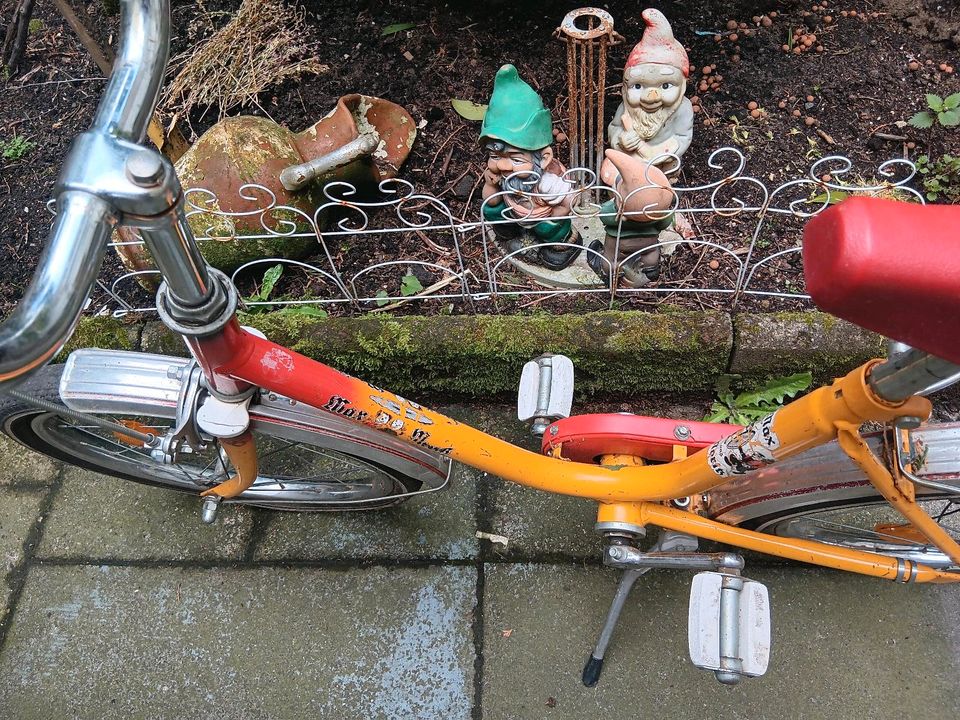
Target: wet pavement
x=118 y=602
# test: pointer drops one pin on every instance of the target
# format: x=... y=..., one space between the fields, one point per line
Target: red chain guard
x=586 y=437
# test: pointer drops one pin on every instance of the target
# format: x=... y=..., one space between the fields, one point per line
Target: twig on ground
x=444 y=144
x=431 y=244
x=826 y=137
x=423 y=293
x=446 y=161
x=888 y=136
x=15 y=39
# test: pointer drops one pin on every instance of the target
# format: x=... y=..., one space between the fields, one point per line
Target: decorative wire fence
x=740 y=243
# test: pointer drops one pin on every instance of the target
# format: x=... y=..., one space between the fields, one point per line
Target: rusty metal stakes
x=587 y=32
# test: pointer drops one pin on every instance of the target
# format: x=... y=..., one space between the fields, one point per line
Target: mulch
x=859 y=85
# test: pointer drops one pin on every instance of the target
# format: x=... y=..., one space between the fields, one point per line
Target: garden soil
x=868 y=70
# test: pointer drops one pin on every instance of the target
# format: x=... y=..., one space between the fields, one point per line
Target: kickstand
x=668 y=541
x=591 y=671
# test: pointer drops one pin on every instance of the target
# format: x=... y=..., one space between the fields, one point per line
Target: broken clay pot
x=244 y=150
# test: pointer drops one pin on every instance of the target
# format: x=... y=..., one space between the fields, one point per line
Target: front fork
x=203 y=416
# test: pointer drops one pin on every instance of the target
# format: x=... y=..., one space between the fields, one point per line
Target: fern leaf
x=775 y=391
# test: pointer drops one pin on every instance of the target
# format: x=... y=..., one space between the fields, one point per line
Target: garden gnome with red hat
x=654 y=118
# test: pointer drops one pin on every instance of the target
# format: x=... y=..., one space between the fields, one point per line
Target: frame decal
x=747 y=450
x=338 y=406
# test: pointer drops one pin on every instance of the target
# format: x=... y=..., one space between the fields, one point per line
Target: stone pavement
x=119 y=603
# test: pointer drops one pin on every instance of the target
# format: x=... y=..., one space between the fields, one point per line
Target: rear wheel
x=871 y=525
x=304 y=463
x=820 y=495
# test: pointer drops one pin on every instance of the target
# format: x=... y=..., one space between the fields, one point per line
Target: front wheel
x=308 y=460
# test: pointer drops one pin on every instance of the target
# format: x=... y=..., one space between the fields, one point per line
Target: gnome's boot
x=596 y=263
x=644 y=270
x=555 y=257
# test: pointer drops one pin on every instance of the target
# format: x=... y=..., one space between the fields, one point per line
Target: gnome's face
x=652 y=86
x=504 y=160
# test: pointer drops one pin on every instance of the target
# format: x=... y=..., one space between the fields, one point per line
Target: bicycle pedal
x=546 y=391
x=728 y=626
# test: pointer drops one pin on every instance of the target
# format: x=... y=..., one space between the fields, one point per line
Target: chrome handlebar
x=51 y=306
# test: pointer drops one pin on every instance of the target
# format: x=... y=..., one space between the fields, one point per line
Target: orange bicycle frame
x=627 y=493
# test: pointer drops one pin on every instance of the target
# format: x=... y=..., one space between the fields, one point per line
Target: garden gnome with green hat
x=523 y=181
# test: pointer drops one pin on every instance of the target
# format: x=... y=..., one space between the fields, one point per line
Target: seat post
x=911 y=373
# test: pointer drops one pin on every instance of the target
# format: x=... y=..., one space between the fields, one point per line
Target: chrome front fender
x=132 y=383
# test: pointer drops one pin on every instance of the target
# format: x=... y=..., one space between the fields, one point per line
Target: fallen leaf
x=397 y=27
x=502 y=540
x=410 y=285
x=506 y=633
x=469 y=110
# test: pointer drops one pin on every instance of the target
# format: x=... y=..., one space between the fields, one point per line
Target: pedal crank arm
x=625 y=557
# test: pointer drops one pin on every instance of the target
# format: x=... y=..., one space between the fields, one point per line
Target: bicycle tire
x=342 y=467
x=820 y=496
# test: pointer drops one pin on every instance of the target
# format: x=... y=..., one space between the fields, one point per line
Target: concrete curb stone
x=615 y=353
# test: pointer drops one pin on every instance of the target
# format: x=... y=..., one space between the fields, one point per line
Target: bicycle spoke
x=311 y=473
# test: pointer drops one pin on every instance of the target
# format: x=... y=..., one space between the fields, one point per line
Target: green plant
x=861 y=186
x=267 y=285
x=753 y=404
x=410 y=285
x=941 y=110
x=308 y=310
x=396 y=28
x=16 y=148
x=739 y=134
x=941 y=178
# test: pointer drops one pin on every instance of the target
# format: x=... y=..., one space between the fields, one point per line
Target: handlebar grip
x=45 y=317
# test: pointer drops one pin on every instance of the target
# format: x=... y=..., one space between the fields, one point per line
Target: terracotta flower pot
x=244 y=150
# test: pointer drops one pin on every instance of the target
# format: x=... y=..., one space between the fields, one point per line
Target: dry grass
x=262 y=45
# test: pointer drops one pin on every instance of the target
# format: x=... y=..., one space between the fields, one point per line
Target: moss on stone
x=157 y=339
x=614 y=352
x=782 y=343
x=101 y=332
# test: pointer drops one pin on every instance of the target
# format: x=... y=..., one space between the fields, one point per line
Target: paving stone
x=436 y=525
x=538 y=523
x=19 y=465
x=844 y=647
x=534 y=522
x=18 y=513
x=98 y=642
x=100 y=517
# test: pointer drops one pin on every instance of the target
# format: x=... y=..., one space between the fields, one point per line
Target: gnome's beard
x=527 y=181
x=647 y=124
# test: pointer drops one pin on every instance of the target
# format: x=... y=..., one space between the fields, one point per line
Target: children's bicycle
x=248 y=421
